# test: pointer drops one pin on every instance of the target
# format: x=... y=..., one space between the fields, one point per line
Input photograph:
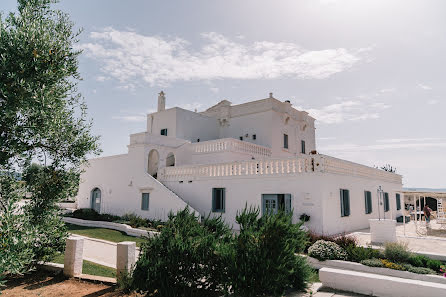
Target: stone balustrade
x=268 y=167
x=231 y=145
x=239 y=168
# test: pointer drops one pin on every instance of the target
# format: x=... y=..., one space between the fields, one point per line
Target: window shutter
x=213 y=199
x=263 y=205
x=347 y=202
x=223 y=199
x=398 y=202
x=370 y=202
x=287 y=203
x=366 y=202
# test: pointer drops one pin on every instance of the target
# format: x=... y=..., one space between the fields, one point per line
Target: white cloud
x=349 y=147
x=349 y=110
x=424 y=87
x=432 y=102
x=400 y=140
x=137 y=117
x=214 y=90
x=131 y=118
x=129 y=57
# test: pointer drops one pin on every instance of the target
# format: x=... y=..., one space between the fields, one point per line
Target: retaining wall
x=110 y=225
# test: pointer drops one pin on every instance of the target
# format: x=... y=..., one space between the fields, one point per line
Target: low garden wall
x=110 y=225
x=378 y=285
x=65 y=205
x=316 y=264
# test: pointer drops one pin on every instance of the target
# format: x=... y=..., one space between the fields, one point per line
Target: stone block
x=73 y=257
x=126 y=256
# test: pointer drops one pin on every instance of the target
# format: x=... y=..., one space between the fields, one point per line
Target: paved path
x=100 y=251
x=322 y=292
x=434 y=242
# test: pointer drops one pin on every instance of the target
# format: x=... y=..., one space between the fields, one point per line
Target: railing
x=240 y=168
x=270 y=167
x=339 y=166
x=231 y=145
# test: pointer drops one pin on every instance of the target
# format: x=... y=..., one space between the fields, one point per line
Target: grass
x=314 y=277
x=90 y=267
x=102 y=233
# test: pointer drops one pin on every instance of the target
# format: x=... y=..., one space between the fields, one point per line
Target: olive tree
x=43 y=120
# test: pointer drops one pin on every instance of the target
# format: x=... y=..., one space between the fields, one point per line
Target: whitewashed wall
x=316 y=194
x=122 y=181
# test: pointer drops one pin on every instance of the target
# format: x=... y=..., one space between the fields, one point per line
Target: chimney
x=161 y=101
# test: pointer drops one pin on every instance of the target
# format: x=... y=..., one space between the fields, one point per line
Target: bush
x=421 y=270
x=373 y=262
x=341 y=240
x=304 y=217
x=85 y=214
x=186 y=259
x=391 y=265
x=418 y=260
x=345 y=240
x=397 y=252
x=326 y=250
x=358 y=253
x=264 y=260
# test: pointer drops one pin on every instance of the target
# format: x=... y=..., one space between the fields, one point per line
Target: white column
x=126 y=256
x=73 y=257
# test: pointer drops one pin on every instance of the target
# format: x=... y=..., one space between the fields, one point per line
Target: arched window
x=96 y=199
x=170 y=160
x=152 y=166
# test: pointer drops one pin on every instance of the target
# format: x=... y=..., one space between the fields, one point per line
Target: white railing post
x=125 y=257
x=73 y=261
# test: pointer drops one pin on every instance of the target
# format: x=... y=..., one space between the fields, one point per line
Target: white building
x=261 y=153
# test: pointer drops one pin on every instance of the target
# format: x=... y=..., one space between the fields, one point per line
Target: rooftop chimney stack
x=161 y=102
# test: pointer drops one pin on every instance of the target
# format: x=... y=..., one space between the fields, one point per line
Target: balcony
x=231 y=145
x=276 y=167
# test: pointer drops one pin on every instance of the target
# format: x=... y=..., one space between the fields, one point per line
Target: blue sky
x=371 y=72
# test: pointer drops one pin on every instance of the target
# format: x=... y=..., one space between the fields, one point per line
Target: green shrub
x=186 y=259
x=373 y=262
x=434 y=264
x=397 y=252
x=418 y=260
x=358 y=253
x=327 y=250
x=86 y=214
x=345 y=240
x=264 y=260
x=342 y=240
x=419 y=270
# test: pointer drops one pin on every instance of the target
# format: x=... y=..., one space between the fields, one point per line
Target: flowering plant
x=443 y=270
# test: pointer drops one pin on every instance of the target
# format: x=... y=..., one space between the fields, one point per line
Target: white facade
x=262 y=153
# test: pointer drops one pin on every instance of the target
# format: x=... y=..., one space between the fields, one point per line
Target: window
x=302 y=146
x=368 y=201
x=398 y=201
x=272 y=203
x=218 y=199
x=164 y=132
x=285 y=141
x=345 y=203
x=386 y=202
x=254 y=137
x=241 y=138
x=145 y=201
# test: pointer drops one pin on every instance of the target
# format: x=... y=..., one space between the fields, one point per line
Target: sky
x=372 y=72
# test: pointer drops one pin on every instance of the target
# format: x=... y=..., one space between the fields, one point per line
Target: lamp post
x=380 y=201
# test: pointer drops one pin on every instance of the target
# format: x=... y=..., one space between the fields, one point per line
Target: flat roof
x=425 y=192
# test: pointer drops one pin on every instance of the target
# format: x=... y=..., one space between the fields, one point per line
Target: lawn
x=90 y=267
x=102 y=233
